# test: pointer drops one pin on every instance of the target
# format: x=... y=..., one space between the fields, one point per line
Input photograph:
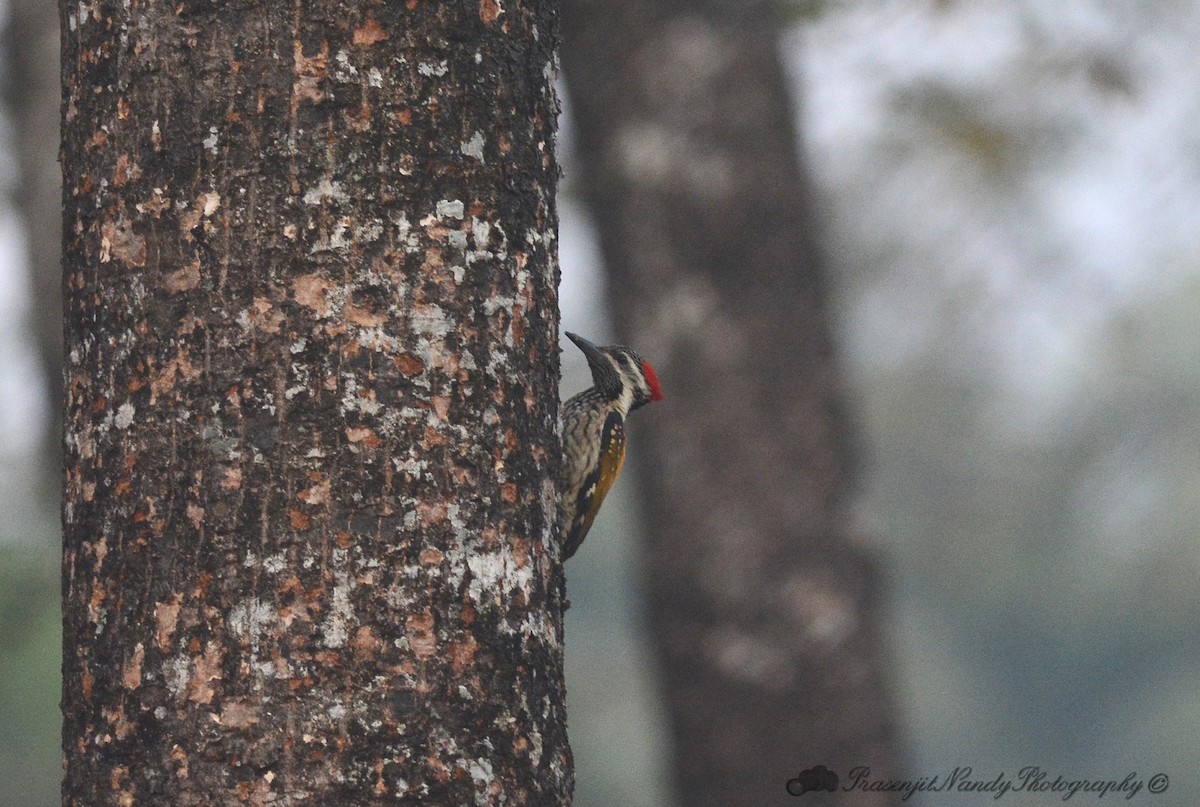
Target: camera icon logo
x=812 y=779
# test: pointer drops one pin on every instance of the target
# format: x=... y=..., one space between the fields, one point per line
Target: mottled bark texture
x=764 y=610
x=31 y=97
x=311 y=379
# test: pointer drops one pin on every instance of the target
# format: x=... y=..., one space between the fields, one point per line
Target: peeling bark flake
x=131 y=674
x=489 y=11
x=118 y=240
x=182 y=280
x=369 y=32
x=311 y=291
x=166 y=615
x=421 y=636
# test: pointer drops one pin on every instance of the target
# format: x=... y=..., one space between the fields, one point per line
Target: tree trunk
x=311 y=398
x=765 y=611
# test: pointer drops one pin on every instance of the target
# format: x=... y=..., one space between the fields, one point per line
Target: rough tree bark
x=311 y=377
x=763 y=608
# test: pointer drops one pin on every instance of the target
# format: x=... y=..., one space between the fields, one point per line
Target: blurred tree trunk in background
x=311 y=405
x=32 y=98
x=764 y=610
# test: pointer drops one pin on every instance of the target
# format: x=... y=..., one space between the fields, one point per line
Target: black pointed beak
x=594 y=356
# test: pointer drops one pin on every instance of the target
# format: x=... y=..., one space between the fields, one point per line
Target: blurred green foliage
x=1013 y=212
x=30 y=668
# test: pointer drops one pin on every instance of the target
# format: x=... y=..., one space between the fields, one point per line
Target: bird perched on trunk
x=593 y=429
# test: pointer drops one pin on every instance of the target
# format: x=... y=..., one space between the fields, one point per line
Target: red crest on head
x=652 y=380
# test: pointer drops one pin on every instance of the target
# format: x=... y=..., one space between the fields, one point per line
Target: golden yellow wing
x=598 y=483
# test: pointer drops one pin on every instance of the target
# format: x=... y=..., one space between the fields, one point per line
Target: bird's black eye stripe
x=618 y=359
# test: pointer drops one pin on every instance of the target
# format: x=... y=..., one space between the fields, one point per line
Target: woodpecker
x=593 y=429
